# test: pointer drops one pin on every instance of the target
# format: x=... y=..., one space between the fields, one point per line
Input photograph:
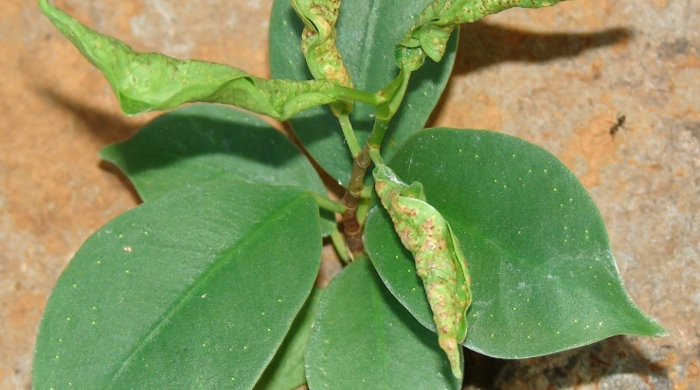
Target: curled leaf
x=151 y=81
x=319 y=44
x=439 y=260
x=434 y=25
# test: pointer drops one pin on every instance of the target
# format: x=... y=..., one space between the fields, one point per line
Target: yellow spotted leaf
x=439 y=260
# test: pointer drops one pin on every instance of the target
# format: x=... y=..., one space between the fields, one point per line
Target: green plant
x=209 y=283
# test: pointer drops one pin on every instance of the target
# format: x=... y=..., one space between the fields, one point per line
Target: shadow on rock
x=106 y=126
x=614 y=362
x=483 y=44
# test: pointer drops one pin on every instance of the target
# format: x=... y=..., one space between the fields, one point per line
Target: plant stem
x=340 y=246
x=376 y=157
x=374 y=141
x=387 y=102
x=351 y=198
x=349 y=134
x=329 y=204
x=351 y=94
x=351 y=226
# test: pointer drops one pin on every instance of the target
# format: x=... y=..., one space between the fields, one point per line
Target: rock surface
x=557 y=77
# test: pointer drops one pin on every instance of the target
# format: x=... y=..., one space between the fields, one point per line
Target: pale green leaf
x=150 y=81
x=435 y=24
x=438 y=257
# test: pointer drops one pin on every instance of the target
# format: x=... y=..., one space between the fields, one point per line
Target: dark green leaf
x=197 y=288
x=151 y=81
x=367 y=34
x=364 y=339
x=204 y=142
x=543 y=275
x=286 y=371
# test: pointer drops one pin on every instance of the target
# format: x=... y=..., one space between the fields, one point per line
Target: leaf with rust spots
x=439 y=260
x=430 y=33
x=319 y=44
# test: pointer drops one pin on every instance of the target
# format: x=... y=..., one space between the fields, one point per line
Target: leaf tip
x=659 y=330
x=45 y=6
x=54 y=14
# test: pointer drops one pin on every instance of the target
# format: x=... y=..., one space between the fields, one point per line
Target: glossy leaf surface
x=197 y=288
x=543 y=275
x=364 y=339
x=286 y=371
x=203 y=142
x=194 y=144
x=367 y=34
x=152 y=81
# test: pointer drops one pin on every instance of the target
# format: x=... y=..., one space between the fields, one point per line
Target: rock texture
x=558 y=77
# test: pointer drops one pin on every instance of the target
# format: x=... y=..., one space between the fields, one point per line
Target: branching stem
x=350 y=94
x=351 y=198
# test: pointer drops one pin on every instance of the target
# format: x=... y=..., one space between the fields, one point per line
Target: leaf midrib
x=246 y=239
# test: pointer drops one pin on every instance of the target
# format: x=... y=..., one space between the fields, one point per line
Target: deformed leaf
x=151 y=81
x=439 y=260
x=367 y=34
x=318 y=40
x=435 y=24
x=318 y=43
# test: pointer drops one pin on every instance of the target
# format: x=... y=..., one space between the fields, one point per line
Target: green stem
x=351 y=198
x=340 y=246
x=329 y=204
x=349 y=134
x=374 y=141
x=376 y=157
x=366 y=192
x=350 y=94
x=387 y=102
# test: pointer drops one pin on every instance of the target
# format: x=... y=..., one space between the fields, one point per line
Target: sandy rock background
x=557 y=77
